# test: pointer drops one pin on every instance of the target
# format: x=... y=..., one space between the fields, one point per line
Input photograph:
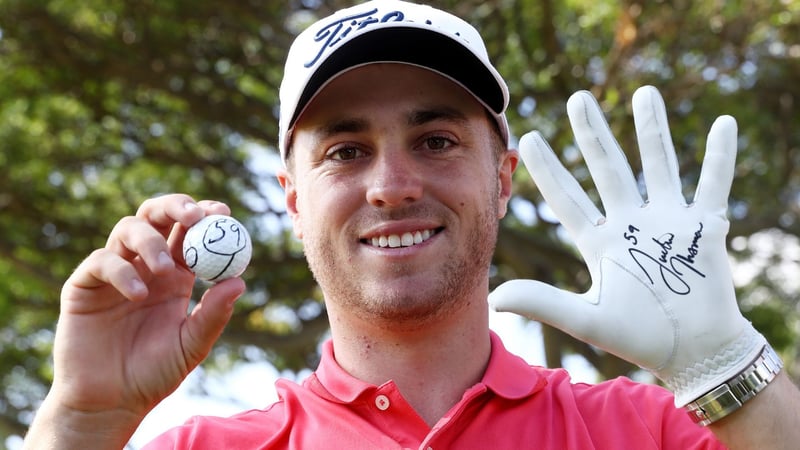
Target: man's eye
x=344 y=153
x=438 y=142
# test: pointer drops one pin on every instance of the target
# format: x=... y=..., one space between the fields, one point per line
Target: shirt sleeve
x=648 y=408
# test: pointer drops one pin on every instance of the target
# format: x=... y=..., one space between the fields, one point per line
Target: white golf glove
x=662 y=295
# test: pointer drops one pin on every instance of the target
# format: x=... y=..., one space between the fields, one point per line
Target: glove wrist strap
x=731 y=395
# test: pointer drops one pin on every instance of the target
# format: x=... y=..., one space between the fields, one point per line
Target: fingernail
x=164 y=260
x=137 y=286
x=190 y=206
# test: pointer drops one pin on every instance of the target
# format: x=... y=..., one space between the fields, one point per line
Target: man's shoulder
x=622 y=388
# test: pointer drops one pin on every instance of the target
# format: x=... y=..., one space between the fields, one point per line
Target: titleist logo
x=334 y=32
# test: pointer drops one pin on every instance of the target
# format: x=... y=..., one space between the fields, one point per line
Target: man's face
x=396 y=192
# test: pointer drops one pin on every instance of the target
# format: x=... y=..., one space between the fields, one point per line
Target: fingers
x=539 y=301
x=559 y=188
x=132 y=237
x=209 y=318
x=719 y=162
x=145 y=244
x=659 y=163
x=178 y=231
x=144 y=234
x=607 y=163
x=164 y=211
x=104 y=267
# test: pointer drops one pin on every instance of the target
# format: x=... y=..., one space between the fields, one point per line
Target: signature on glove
x=669 y=264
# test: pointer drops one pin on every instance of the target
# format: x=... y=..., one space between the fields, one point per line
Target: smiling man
x=410 y=154
x=397 y=172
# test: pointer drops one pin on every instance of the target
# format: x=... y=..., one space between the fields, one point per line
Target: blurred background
x=105 y=103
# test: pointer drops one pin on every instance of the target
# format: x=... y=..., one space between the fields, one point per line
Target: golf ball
x=217 y=247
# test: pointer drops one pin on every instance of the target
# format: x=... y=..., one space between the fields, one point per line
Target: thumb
x=207 y=320
x=542 y=302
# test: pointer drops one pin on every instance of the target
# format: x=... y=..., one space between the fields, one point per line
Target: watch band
x=729 y=396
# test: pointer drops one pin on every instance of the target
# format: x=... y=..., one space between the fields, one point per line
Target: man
x=397 y=172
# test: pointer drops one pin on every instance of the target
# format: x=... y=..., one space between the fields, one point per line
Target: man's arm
x=662 y=294
x=123 y=340
x=59 y=427
x=770 y=420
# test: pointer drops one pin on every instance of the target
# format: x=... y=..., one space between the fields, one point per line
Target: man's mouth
x=401 y=240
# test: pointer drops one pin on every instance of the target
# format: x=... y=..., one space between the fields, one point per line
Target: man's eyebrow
x=336 y=126
x=415 y=118
x=423 y=116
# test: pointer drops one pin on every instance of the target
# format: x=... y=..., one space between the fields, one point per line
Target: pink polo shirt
x=515 y=406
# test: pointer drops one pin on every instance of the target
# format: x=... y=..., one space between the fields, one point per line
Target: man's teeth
x=404 y=240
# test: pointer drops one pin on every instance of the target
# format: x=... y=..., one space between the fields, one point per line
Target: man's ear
x=506 y=168
x=290 y=194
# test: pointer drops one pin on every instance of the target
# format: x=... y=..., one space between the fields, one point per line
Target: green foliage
x=104 y=104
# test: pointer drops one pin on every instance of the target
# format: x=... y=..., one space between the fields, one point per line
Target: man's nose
x=395 y=179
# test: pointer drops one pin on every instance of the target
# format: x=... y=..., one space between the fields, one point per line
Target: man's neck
x=432 y=366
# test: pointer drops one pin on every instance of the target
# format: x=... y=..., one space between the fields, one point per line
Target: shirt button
x=382 y=402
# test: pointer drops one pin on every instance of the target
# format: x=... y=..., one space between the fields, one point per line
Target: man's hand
x=662 y=295
x=125 y=337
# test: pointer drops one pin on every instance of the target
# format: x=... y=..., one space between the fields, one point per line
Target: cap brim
x=411 y=45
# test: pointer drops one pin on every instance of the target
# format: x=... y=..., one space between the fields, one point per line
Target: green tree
x=104 y=103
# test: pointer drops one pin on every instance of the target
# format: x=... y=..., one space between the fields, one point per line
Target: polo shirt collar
x=507 y=375
x=333 y=382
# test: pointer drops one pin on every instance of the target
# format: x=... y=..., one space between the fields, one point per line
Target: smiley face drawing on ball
x=216 y=248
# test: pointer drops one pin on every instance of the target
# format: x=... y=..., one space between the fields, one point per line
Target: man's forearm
x=769 y=420
x=56 y=427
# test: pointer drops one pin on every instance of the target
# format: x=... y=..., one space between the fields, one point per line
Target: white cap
x=388 y=31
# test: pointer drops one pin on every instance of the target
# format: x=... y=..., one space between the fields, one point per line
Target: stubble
x=452 y=284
